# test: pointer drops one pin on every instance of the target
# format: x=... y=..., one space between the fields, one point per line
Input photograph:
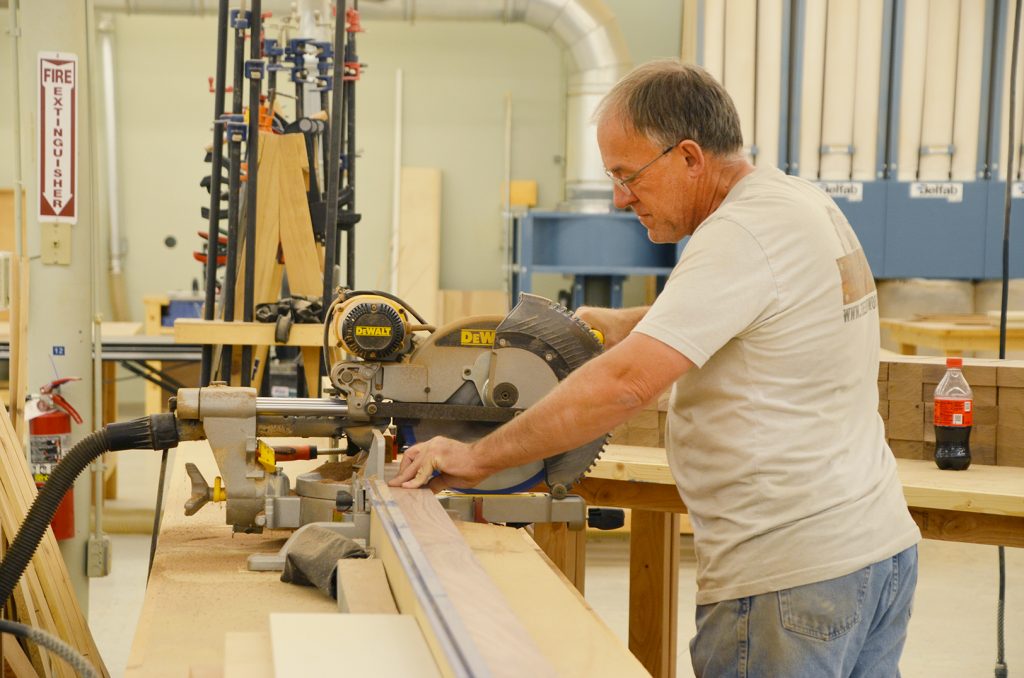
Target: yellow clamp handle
x=220 y=493
x=598 y=334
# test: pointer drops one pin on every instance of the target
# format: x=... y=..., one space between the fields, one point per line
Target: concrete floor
x=952 y=632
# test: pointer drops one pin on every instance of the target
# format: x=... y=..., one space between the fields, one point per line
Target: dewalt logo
x=477 y=338
x=370 y=331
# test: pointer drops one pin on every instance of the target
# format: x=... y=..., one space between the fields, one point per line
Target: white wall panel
x=738 y=69
x=769 y=81
x=713 y=58
x=838 y=95
x=815 y=14
x=915 y=40
x=940 y=70
x=1000 y=161
x=967 y=105
x=870 y=22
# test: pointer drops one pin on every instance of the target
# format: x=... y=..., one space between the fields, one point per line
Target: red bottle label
x=954 y=412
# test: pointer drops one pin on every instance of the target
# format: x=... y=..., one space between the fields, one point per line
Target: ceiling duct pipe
x=587 y=29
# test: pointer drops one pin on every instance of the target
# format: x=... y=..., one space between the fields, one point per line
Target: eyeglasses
x=623 y=183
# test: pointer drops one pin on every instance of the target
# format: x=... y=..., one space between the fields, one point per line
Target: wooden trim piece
x=630 y=494
x=974 y=528
x=566 y=548
x=468 y=624
x=363 y=587
x=191 y=331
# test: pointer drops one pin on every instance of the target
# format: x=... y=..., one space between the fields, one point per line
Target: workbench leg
x=109 y=410
x=566 y=548
x=654 y=590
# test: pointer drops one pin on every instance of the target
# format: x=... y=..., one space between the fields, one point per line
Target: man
x=767 y=329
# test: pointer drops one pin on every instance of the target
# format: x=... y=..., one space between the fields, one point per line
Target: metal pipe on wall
x=118 y=297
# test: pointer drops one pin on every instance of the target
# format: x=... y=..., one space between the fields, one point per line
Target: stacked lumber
x=44 y=598
x=647 y=427
x=906 y=386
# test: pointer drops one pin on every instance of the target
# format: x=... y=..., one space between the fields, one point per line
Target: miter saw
x=397 y=381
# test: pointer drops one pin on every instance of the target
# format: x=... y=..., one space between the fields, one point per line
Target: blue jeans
x=853 y=625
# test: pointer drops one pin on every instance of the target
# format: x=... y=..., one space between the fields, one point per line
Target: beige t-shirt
x=775 y=439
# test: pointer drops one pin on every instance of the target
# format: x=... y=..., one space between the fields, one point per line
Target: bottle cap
x=955 y=362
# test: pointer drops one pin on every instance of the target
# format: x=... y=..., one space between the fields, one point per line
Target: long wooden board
x=468 y=624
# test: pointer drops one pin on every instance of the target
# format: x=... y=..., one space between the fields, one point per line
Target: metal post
x=234 y=186
x=213 y=245
x=252 y=180
x=334 y=154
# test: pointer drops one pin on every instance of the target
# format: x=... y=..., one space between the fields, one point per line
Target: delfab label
x=950 y=412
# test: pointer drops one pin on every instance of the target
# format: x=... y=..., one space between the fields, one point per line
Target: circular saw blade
x=535 y=346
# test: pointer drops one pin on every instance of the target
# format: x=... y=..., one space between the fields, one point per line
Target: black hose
x=52 y=643
x=156 y=432
x=157 y=513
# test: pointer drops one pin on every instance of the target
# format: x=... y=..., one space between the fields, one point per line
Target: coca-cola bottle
x=954 y=414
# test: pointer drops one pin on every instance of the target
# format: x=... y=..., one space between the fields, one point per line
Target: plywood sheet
x=349 y=644
x=419 y=242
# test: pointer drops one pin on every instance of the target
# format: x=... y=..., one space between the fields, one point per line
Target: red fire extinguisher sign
x=49 y=432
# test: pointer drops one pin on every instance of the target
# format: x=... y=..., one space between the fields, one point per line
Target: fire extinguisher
x=49 y=430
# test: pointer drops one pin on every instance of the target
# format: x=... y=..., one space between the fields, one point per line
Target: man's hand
x=440 y=463
x=614 y=323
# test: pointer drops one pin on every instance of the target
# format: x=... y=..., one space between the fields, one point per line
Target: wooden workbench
x=200 y=591
x=952 y=338
x=983 y=505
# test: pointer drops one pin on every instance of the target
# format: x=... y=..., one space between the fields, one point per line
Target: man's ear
x=693 y=154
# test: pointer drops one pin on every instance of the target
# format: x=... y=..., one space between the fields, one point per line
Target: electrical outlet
x=98 y=558
x=55 y=244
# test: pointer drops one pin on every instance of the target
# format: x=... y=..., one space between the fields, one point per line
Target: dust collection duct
x=587 y=29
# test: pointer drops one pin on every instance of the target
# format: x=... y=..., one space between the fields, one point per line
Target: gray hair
x=668 y=101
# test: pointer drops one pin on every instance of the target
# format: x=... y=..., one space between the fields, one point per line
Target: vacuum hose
x=155 y=432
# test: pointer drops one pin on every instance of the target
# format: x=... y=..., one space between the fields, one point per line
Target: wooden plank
x=739 y=74
x=557 y=617
x=301 y=261
x=974 y=528
x=15 y=658
x=190 y=331
x=458 y=304
x=18 y=491
x=967 y=114
x=943 y=28
x=566 y=548
x=363 y=587
x=654 y=591
x=349 y=644
x=419 y=242
x=433 y=574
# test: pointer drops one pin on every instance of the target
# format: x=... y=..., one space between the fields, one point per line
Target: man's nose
x=622 y=197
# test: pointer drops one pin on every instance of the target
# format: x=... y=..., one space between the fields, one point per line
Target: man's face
x=661 y=196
